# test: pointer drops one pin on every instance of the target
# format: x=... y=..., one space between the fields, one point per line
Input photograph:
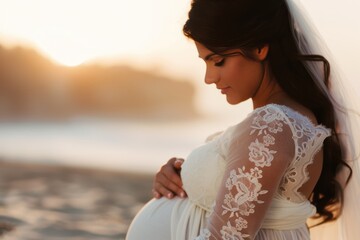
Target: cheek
x=246 y=75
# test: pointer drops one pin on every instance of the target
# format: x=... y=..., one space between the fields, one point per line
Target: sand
x=55 y=202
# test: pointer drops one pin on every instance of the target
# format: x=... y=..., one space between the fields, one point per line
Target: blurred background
x=110 y=84
x=113 y=85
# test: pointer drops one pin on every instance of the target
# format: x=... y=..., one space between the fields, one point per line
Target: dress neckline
x=282 y=106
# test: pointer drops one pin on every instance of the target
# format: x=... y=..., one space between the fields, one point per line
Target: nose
x=211 y=76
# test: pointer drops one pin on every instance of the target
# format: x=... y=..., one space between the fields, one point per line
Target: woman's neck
x=270 y=92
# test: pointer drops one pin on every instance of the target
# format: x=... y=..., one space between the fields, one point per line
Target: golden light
x=66 y=58
x=73 y=32
x=144 y=32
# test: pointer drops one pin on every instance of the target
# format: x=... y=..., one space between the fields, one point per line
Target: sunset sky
x=147 y=33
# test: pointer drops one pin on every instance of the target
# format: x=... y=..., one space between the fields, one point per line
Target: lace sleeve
x=259 y=153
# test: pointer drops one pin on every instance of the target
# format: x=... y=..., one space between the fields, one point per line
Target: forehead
x=202 y=50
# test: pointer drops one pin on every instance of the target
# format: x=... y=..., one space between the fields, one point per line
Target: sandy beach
x=46 y=202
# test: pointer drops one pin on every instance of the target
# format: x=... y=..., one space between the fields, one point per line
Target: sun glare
x=67 y=59
x=73 y=32
x=70 y=63
x=70 y=34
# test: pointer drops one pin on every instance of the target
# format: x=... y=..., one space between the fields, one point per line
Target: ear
x=261 y=53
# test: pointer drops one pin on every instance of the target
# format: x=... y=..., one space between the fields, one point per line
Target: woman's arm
x=258 y=155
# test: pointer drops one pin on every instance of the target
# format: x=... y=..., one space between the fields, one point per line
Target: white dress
x=242 y=184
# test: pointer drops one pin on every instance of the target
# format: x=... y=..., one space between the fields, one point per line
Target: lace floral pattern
x=243 y=185
x=247 y=189
x=306 y=137
x=260 y=154
x=275 y=132
x=204 y=235
x=229 y=232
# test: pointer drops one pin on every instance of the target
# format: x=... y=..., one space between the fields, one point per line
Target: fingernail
x=182 y=194
x=169 y=195
x=178 y=160
x=155 y=193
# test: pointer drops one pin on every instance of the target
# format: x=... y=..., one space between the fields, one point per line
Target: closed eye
x=220 y=63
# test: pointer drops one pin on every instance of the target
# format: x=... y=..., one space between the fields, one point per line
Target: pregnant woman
x=265 y=176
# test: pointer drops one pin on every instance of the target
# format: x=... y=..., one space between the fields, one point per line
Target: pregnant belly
x=153 y=221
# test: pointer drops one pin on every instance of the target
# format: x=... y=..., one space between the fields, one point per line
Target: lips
x=224 y=90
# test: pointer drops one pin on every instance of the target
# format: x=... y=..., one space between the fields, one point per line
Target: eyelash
x=220 y=63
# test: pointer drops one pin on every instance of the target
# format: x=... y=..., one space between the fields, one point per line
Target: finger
x=167 y=193
x=156 y=194
x=167 y=181
x=163 y=191
x=165 y=185
x=172 y=160
x=170 y=174
x=174 y=178
x=178 y=163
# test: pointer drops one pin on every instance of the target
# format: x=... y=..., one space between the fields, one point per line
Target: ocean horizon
x=124 y=145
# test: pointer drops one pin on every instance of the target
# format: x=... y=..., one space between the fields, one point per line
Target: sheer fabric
x=342 y=95
x=242 y=184
x=265 y=166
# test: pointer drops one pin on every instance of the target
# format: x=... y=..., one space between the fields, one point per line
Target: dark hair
x=222 y=25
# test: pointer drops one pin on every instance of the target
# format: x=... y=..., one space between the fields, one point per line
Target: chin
x=233 y=101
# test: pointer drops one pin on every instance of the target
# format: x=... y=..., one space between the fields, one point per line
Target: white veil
x=347 y=227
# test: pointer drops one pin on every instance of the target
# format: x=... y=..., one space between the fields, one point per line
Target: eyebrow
x=207 y=57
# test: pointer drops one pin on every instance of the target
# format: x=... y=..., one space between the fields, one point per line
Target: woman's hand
x=167 y=181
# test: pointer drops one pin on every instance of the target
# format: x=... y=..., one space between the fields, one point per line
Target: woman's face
x=236 y=76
